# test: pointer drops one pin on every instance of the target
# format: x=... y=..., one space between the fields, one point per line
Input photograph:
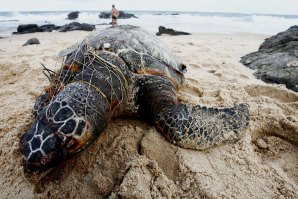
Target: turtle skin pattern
x=78 y=111
x=201 y=127
x=121 y=71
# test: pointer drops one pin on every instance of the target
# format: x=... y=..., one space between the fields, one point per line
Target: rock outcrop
x=31 y=28
x=73 y=15
x=31 y=42
x=24 y=28
x=169 y=31
x=76 y=26
x=276 y=61
x=122 y=15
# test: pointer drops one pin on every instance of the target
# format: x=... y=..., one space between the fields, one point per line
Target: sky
x=233 y=6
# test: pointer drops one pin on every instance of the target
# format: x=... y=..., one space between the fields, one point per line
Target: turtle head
x=56 y=134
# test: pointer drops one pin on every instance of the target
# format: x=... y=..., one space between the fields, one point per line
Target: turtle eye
x=81 y=137
x=40 y=103
x=183 y=68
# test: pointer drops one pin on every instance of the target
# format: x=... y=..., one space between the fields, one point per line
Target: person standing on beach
x=115 y=14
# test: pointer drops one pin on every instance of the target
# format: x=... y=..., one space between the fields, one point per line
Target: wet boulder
x=169 y=31
x=87 y=27
x=48 y=28
x=73 y=15
x=32 y=28
x=76 y=26
x=27 y=28
x=276 y=60
x=104 y=15
x=32 y=41
x=122 y=15
x=51 y=27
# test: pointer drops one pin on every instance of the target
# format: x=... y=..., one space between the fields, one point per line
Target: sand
x=131 y=159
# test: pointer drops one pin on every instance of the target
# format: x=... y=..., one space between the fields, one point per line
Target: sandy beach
x=131 y=159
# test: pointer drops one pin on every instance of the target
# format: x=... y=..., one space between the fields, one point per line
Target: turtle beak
x=47 y=161
x=41 y=148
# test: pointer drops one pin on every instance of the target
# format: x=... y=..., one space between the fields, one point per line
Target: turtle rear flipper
x=186 y=126
x=200 y=127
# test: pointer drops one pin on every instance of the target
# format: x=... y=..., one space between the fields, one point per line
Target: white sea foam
x=193 y=22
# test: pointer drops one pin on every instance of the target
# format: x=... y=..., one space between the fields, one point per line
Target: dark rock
x=32 y=41
x=70 y=27
x=276 y=61
x=26 y=27
x=31 y=28
x=73 y=15
x=76 y=26
x=51 y=27
x=87 y=27
x=103 y=24
x=48 y=28
x=163 y=30
x=122 y=15
x=104 y=15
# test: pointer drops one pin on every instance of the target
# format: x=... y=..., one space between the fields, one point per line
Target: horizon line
x=189 y=11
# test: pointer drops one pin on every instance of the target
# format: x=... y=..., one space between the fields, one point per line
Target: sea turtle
x=120 y=71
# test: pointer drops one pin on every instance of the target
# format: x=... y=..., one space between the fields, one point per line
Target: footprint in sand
x=201 y=48
x=275 y=134
x=216 y=73
x=208 y=64
x=192 y=87
x=49 y=59
x=272 y=91
x=244 y=76
x=194 y=81
x=279 y=154
x=195 y=65
x=176 y=51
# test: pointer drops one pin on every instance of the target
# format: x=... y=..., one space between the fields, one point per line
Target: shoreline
x=186 y=22
x=192 y=33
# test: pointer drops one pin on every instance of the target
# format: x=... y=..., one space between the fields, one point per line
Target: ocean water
x=193 y=22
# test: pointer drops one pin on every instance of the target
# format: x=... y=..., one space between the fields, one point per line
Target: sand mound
x=131 y=159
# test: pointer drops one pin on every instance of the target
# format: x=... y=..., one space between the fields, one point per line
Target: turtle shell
x=142 y=51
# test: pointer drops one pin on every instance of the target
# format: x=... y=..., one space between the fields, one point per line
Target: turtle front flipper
x=200 y=127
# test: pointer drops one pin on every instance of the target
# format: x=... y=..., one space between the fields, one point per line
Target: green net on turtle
x=120 y=71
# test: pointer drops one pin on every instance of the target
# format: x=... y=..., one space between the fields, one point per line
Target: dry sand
x=131 y=159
